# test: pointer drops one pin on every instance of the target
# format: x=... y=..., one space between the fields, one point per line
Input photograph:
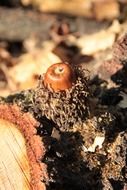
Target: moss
x=23 y=99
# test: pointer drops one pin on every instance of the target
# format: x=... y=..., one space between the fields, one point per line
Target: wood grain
x=14 y=165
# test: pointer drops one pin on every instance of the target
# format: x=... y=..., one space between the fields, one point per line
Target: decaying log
x=17 y=24
x=21 y=151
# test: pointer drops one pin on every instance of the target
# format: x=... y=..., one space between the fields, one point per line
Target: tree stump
x=14 y=164
x=21 y=167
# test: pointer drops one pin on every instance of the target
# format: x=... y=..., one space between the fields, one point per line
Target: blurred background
x=37 y=33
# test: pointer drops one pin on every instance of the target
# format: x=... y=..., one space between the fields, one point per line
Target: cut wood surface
x=14 y=164
x=21 y=166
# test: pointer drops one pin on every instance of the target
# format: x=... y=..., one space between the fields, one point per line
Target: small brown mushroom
x=63 y=95
x=59 y=77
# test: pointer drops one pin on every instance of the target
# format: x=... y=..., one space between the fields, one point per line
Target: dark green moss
x=23 y=99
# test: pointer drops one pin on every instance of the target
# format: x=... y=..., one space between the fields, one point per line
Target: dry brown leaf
x=31 y=65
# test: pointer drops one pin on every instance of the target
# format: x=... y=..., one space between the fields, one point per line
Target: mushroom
x=63 y=95
x=59 y=76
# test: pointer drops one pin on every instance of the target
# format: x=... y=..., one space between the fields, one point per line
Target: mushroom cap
x=59 y=77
